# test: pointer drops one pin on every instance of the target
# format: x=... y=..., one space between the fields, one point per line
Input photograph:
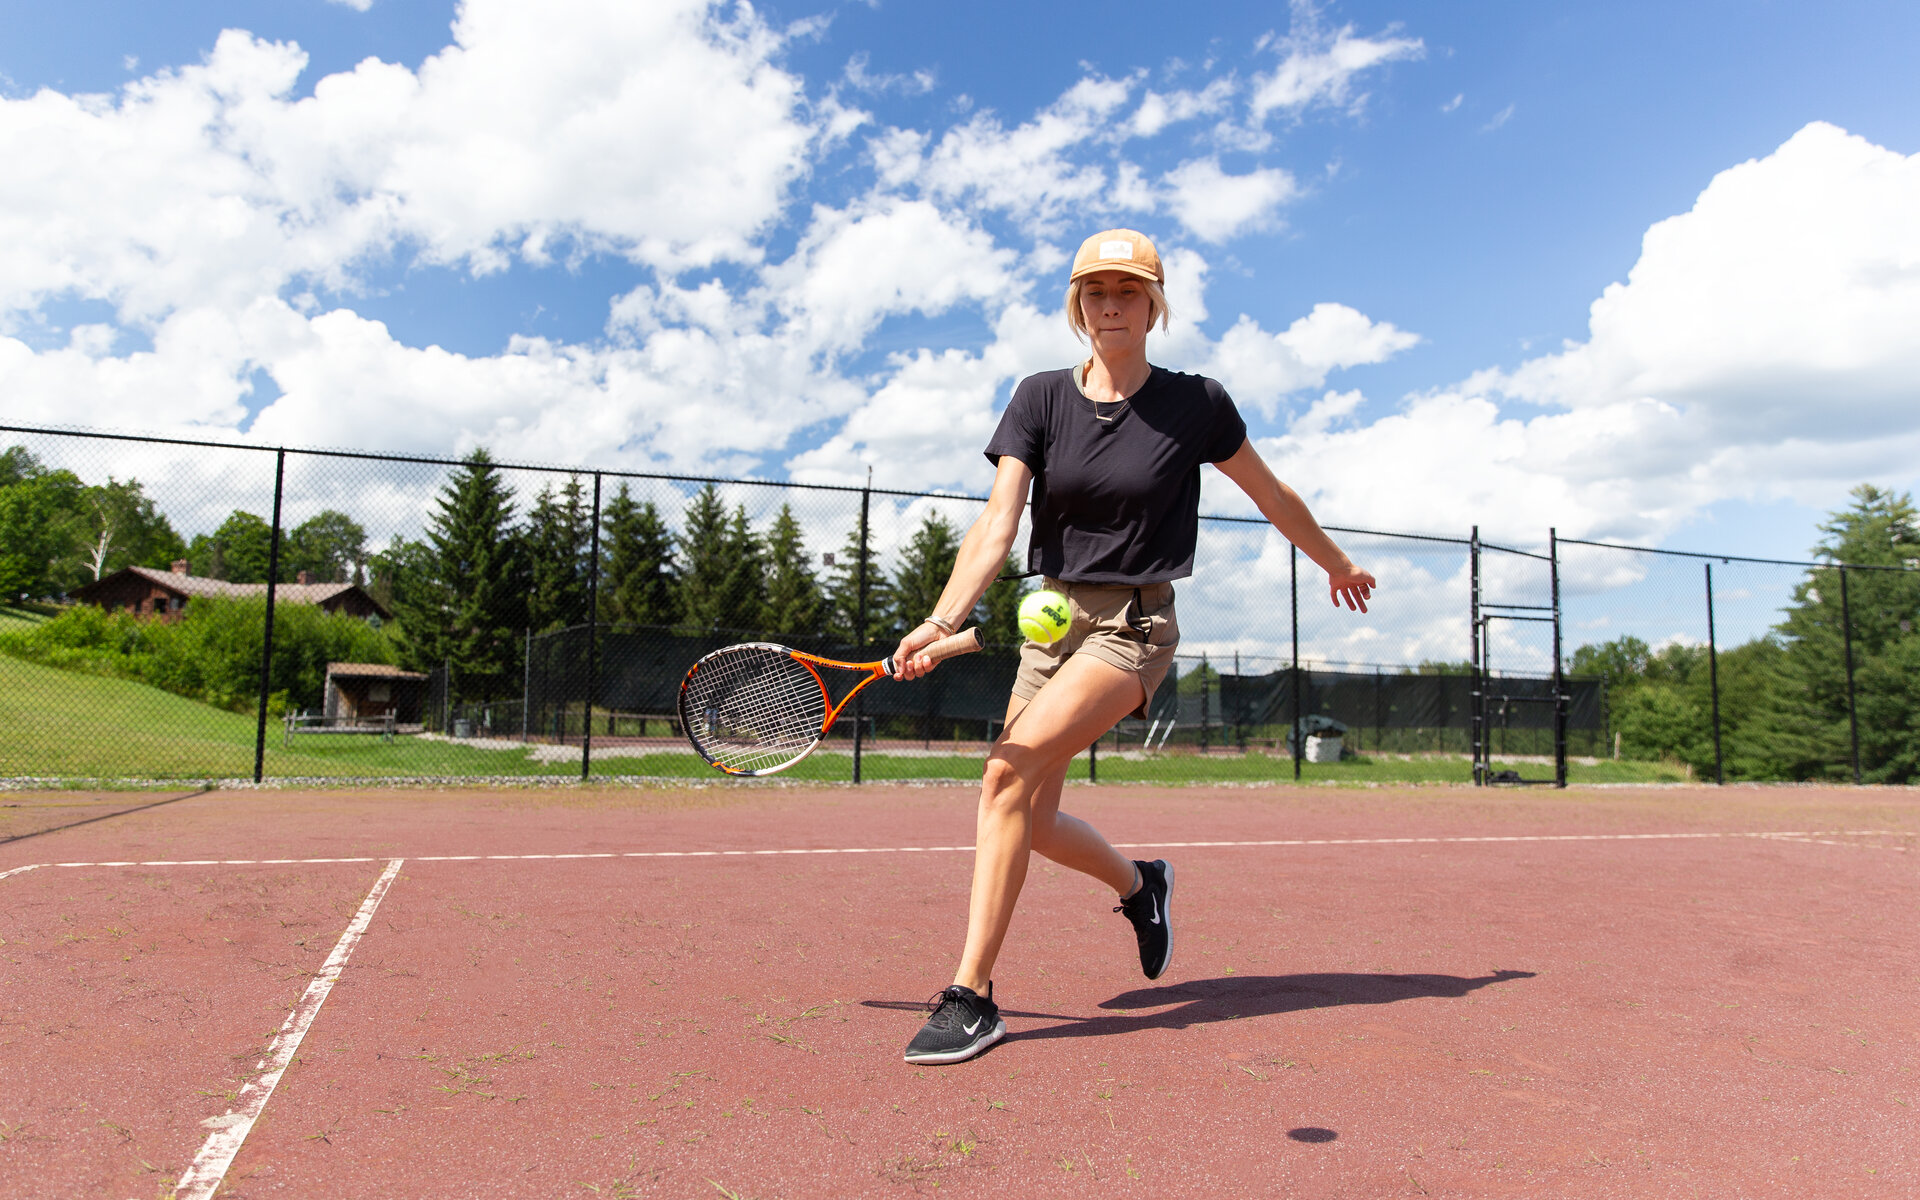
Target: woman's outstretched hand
x=1351 y=584
x=908 y=663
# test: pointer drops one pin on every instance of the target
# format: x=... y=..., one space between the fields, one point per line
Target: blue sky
x=1462 y=181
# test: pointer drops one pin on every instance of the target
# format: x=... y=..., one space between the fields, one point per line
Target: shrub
x=212 y=654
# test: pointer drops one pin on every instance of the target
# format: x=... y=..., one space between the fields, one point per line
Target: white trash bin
x=1323 y=749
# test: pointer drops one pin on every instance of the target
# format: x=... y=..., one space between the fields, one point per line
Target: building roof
x=371 y=671
x=200 y=585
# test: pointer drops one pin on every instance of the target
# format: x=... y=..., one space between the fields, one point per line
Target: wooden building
x=363 y=693
x=151 y=592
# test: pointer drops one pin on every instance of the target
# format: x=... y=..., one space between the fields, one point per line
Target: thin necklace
x=1117 y=405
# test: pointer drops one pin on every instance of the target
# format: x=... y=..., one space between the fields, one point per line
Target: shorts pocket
x=1163 y=628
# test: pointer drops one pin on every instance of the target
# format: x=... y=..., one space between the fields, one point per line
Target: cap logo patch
x=1117 y=249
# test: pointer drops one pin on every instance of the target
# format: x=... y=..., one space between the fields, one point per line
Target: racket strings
x=750 y=708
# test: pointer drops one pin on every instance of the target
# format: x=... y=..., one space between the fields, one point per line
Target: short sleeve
x=1229 y=431
x=1022 y=431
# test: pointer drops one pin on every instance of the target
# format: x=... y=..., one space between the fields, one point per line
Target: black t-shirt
x=1117 y=501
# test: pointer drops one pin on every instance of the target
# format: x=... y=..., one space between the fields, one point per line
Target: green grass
x=69 y=725
x=15 y=617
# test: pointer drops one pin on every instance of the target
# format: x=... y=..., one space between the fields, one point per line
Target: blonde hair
x=1158 y=310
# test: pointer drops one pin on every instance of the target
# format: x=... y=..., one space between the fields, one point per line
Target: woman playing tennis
x=1110 y=451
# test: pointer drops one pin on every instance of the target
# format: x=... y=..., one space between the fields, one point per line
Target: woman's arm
x=1281 y=505
x=982 y=555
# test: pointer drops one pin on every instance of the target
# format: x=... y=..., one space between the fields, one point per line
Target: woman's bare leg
x=1068 y=840
x=1081 y=702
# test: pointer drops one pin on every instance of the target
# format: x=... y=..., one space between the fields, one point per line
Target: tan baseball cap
x=1118 y=250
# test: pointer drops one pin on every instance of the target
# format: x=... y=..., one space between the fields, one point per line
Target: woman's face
x=1117 y=310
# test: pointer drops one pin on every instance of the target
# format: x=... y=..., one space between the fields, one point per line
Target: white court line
x=1820 y=841
x=1814 y=837
x=209 y=1166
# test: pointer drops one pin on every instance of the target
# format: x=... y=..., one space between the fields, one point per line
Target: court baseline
x=1814 y=837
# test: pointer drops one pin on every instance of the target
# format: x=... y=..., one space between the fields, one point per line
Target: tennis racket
x=758 y=708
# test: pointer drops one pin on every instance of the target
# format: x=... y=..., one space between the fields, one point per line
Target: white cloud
x=1217 y=206
x=1500 y=118
x=919 y=83
x=663 y=132
x=927 y=424
x=1157 y=110
x=355 y=5
x=854 y=268
x=1319 y=66
x=210 y=203
x=1781 y=307
x=1762 y=346
x=1261 y=369
x=1026 y=170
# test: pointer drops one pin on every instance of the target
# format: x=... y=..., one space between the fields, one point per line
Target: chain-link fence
x=189 y=610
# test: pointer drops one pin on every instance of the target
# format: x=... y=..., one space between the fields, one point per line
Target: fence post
x=593 y=636
x=1559 y=677
x=1713 y=682
x=1476 y=719
x=526 y=686
x=1293 y=594
x=1239 y=731
x=860 y=629
x=1606 y=717
x=1379 y=710
x=1846 y=633
x=1205 y=669
x=266 y=646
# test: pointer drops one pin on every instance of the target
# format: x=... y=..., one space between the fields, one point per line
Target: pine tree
x=1805 y=701
x=793 y=600
x=472 y=613
x=557 y=546
x=636 y=576
x=1882 y=529
x=925 y=566
x=743 y=589
x=843 y=599
x=704 y=543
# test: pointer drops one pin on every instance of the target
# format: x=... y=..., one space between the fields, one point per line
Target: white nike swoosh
x=974 y=1026
x=1156 y=910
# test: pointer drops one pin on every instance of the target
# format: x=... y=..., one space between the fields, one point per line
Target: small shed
x=370 y=691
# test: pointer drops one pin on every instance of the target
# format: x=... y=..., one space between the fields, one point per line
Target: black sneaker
x=961 y=1025
x=1152 y=923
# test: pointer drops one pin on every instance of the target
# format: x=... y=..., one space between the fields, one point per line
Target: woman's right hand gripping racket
x=758 y=708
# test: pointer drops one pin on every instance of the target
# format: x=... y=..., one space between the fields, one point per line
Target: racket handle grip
x=964 y=642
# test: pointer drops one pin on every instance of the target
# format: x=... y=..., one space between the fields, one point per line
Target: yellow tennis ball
x=1045 y=617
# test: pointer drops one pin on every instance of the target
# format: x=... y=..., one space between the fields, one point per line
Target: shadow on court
x=1237 y=997
x=11 y=834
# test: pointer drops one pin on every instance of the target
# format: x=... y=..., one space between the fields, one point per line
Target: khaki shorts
x=1110 y=626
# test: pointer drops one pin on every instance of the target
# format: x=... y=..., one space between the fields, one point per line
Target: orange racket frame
x=964 y=642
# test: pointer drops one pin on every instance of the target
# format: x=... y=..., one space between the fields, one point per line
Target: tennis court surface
x=702 y=992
